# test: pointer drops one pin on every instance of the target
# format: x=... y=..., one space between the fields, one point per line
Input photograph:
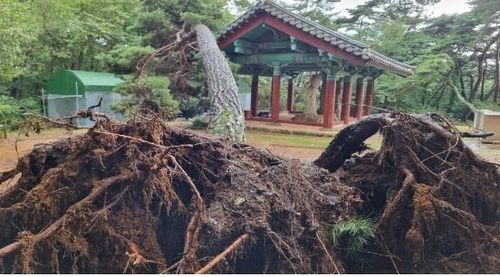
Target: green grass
x=298 y=141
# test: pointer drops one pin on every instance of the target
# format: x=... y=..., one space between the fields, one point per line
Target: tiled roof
x=334 y=38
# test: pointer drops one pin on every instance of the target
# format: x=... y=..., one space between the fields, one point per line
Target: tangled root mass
x=437 y=204
x=146 y=198
x=143 y=197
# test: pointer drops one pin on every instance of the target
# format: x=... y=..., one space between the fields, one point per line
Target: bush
x=153 y=88
x=11 y=110
x=352 y=235
x=192 y=106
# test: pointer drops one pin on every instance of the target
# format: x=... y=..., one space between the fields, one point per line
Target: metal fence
x=61 y=106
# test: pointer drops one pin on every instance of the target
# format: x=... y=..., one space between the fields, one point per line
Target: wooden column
x=289 y=99
x=359 y=98
x=338 y=92
x=254 y=94
x=346 y=99
x=369 y=97
x=329 y=101
x=275 y=94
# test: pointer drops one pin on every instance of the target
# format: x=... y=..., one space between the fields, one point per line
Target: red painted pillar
x=338 y=91
x=369 y=97
x=346 y=99
x=359 y=98
x=275 y=94
x=329 y=101
x=289 y=99
x=254 y=94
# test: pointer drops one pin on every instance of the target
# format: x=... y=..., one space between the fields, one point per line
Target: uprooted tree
x=226 y=116
x=143 y=197
x=228 y=119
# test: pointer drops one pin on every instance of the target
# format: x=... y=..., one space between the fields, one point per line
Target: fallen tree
x=226 y=118
x=143 y=197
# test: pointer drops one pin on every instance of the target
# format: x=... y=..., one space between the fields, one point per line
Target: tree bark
x=497 y=73
x=469 y=105
x=227 y=114
x=349 y=141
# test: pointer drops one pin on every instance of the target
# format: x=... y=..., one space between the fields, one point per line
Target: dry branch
x=215 y=261
x=99 y=187
x=194 y=225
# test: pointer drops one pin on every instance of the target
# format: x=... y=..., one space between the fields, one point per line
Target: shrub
x=153 y=88
x=192 y=106
x=11 y=110
x=352 y=235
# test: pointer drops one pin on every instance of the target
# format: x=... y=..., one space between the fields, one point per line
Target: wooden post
x=338 y=96
x=289 y=99
x=275 y=93
x=329 y=100
x=254 y=94
x=369 y=97
x=359 y=98
x=346 y=99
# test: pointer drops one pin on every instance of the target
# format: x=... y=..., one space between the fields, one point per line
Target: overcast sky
x=443 y=7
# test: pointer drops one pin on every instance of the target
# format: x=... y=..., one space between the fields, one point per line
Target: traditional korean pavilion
x=269 y=40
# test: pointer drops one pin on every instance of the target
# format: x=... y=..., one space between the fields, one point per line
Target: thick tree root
x=237 y=243
x=99 y=188
x=436 y=202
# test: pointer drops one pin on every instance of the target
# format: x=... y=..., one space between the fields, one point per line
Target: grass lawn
x=303 y=147
x=306 y=148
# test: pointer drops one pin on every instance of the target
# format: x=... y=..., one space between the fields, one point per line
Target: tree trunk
x=470 y=106
x=350 y=140
x=227 y=114
x=497 y=73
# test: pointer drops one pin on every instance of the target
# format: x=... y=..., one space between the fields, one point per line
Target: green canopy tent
x=72 y=90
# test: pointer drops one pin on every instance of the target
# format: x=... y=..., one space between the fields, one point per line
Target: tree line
x=452 y=54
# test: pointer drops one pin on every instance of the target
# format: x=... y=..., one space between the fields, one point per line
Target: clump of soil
x=437 y=204
x=143 y=197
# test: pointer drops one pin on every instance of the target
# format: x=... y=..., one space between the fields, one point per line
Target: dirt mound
x=143 y=197
x=437 y=204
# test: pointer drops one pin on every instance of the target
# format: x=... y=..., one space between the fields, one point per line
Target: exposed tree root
x=99 y=188
x=231 y=248
x=4 y=176
x=435 y=201
x=167 y=200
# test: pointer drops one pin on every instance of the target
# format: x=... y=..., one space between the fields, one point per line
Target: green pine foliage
x=154 y=88
x=352 y=235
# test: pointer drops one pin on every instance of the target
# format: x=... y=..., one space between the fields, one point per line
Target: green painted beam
x=283 y=58
x=296 y=45
x=274 y=45
x=262 y=46
x=244 y=47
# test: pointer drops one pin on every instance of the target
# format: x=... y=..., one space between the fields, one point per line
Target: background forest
x=39 y=37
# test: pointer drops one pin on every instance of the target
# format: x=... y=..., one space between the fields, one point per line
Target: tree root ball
x=437 y=204
x=145 y=198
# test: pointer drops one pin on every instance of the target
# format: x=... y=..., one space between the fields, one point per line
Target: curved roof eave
x=332 y=37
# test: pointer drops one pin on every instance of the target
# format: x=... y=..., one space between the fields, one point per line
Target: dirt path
x=8 y=155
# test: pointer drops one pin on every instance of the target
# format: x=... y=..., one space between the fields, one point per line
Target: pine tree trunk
x=497 y=72
x=227 y=119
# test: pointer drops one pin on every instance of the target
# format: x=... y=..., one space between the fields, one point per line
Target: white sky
x=443 y=7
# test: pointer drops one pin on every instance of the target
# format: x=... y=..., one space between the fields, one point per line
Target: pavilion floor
x=289 y=126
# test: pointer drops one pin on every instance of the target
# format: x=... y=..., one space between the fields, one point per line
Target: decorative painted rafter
x=270 y=14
